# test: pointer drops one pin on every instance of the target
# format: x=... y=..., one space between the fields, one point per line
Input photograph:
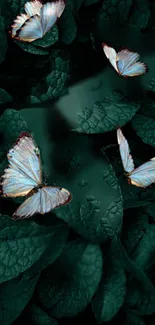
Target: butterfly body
x=37 y=20
x=23 y=177
x=125 y=62
x=141 y=176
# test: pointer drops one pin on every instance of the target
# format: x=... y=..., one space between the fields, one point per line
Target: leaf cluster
x=92 y=260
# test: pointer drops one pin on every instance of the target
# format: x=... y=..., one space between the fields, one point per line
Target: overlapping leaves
x=107 y=115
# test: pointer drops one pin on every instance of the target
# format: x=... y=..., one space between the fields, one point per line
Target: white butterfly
x=142 y=176
x=125 y=62
x=24 y=177
x=37 y=20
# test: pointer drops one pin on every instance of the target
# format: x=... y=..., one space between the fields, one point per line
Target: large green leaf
x=115 y=110
x=110 y=295
x=22 y=244
x=68 y=287
x=54 y=249
x=145 y=128
x=14 y=296
x=96 y=209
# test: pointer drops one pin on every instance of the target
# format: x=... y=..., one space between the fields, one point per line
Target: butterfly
x=142 y=176
x=37 y=20
x=125 y=62
x=24 y=177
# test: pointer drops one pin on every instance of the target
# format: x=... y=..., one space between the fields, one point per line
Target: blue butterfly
x=24 y=177
x=125 y=62
x=142 y=176
x=37 y=20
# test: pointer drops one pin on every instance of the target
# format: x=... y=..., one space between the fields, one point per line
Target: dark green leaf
x=135 y=196
x=67 y=26
x=55 y=81
x=54 y=248
x=14 y=296
x=106 y=115
x=132 y=318
x=74 y=4
x=48 y=39
x=69 y=287
x=93 y=214
x=110 y=295
x=140 y=13
x=22 y=244
x=145 y=128
x=116 y=10
x=3 y=41
x=40 y=317
x=30 y=48
x=135 y=231
x=5 y=97
x=11 y=125
x=140 y=298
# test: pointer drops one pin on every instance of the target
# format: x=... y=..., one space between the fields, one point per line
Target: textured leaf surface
x=11 y=125
x=96 y=214
x=70 y=291
x=145 y=128
x=55 y=81
x=106 y=115
x=110 y=295
x=30 y=48
x=14 y=296
x=22 y=244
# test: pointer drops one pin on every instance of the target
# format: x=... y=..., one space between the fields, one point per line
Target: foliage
x=92 y=260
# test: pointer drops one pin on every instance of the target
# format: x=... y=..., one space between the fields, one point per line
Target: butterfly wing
x=136 y=69
x=111 y=55
x=124 y=149
x=44 y=200
x=31 y=30
x=18 y=23
x=24 y=170
x=127 y=64
x=144 y=175
x=32 y=8
x=50 y=12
